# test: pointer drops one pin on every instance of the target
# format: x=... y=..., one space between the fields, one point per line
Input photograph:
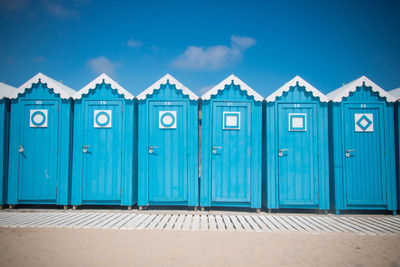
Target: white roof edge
x=227 y=81
x=293 y=82
x=99 y=80
x=345 y=90
x=143 y=95
x=395 y=93
x=64 y=91
x=6 y=90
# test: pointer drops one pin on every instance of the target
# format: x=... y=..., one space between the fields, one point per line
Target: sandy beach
x=79 y=247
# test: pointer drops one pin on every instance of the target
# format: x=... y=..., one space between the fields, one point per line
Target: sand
x=85 y=247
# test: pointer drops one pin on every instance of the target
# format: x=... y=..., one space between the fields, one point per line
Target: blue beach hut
x=104 y=147
x=231 y=142
x=5 y=92
x=40 y=122
x=362 y=147
x=168 y=145
x=396 y=95
x=296 y=156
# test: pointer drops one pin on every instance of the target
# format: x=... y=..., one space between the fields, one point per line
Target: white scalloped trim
x=6 y=90
x=156 y=86
x=227 y=81
x=344 y=91
x=308 y=87
x=99 y=80
x=64 y=91
x=395 y=93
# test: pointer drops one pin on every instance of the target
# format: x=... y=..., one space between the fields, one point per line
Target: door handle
x=20 y=149
x=151 y=149
x=348 y=152
x=214 y=149
x=85 y=149
x=281 y=151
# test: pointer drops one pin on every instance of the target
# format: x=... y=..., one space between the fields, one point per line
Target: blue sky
x=200 y=43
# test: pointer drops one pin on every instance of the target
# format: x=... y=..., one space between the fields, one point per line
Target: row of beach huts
x=231 y=147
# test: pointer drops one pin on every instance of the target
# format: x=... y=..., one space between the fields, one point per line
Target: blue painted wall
x=300 y=177
x=366 y=179
x=39 y=175
x=107 y=173
x=4 y=140
x=169 y=175
x=232 y=175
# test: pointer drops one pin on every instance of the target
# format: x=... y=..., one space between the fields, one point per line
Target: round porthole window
x=167 y=119
x=38 y=118
x=102 y=118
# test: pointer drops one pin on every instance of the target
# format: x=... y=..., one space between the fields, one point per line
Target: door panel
x=101 y=165
x=231 y=152
x=363 y=174
x=168 y=179
x=37 y=164
x=297 y=155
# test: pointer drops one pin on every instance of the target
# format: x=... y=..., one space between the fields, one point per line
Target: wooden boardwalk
x=313 y=224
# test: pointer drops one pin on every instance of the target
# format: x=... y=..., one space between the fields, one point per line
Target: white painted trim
x=236 y=81
x=64 y=91
x=395 y=93
x=156 y=86
x=99 y=80
x=344 y=91
x=308 y=87
x=6 y=90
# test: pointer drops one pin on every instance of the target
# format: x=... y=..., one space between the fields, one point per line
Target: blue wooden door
x=102 y=158
x=363 y=155
x=38 y=151
x=297 y=155
x=168 y=151
x=231 y=152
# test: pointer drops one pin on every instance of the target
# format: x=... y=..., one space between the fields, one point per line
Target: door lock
x=281 y=151
x=20 y=149
x=85 y=149
x=151 y=149
x=348 y=152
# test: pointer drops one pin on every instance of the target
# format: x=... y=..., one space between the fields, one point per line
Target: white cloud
x=214 y=57
x=38 y=59
x=59 y=10
x=101 y=65
x=134 y=43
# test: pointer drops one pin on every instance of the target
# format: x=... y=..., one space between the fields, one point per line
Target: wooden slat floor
x=313 y=224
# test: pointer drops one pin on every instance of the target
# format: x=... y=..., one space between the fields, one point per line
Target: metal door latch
x=214 y=149
x=281 y=151
x=20 y=149
x=151 y=149
x=348 y=152
x=85 y=149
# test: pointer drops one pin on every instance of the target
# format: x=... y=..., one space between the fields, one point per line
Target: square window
x=102 y=118
x=38 y=118
x=298 y=122
x=231 y=120
x=167 y=119
x=363 y=122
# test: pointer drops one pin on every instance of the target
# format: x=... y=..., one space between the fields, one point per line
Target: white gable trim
x=64 y=91
x=156 y=86
x=395 y=93
x=293 y=82
x=344 y=91
x=99 y=80
x=6 y=90
x=236 y=81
